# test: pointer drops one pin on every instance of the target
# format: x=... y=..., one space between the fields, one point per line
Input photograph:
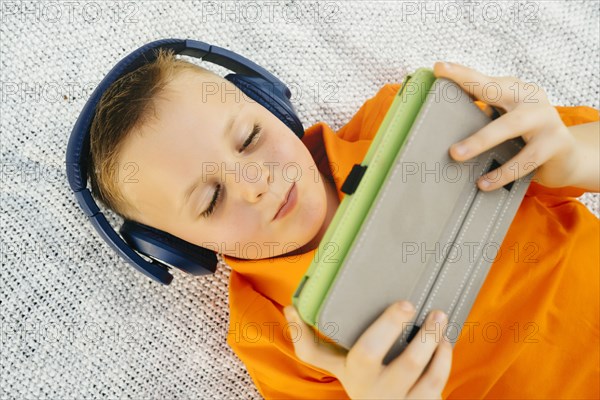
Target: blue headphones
x=165 y=250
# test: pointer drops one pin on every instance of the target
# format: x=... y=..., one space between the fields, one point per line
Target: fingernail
x=447 y=65
x=460 y=149
x=439 y=316
x=484 y=184
x=406 y=306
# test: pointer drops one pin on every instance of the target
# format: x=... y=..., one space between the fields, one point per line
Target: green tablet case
x=412 y=225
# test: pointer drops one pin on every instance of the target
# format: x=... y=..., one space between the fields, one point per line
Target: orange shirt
x=531 y=333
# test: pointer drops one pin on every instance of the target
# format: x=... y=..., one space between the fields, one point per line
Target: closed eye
x=255 y=133
x=217 y=195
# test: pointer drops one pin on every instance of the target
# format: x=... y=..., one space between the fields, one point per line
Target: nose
x=254 y=181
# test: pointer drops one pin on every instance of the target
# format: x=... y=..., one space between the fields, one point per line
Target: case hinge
x=353 y=179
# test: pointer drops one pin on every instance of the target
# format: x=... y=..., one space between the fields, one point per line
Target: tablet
x=413 y=224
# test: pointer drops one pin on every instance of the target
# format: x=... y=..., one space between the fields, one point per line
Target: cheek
x=291 y=157
x=282 y=147
x=240 y=222
x=278 y=149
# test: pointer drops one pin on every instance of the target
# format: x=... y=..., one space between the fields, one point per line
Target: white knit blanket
x=77 y=321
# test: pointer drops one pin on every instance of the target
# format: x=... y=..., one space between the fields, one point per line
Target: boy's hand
x=420 y=371
x=550 y=147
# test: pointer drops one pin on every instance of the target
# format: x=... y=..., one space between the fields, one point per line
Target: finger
x=413 y=360
x=517 y=123
x=434 y=378
x=527 y=160
x=372 y=346
x=498 y=91
x=310 y=348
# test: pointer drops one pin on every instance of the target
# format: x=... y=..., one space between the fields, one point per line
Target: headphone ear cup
x=168 y=249
x=274 y=98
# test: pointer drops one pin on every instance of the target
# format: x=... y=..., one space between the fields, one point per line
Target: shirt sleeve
x=365 y=123
x=259 y=335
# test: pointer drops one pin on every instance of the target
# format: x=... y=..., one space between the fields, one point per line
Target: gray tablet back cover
x=431 y=235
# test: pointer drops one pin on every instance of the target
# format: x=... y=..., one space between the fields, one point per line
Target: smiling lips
x=288 y=203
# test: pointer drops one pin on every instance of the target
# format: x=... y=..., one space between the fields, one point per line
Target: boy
x=208 y=179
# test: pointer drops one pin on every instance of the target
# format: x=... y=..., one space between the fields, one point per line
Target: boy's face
x=190 y=142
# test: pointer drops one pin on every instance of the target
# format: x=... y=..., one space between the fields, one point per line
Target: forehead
x=190 y=114
x=189 y=90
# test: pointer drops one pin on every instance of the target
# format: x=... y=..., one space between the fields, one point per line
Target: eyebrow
x=227 y=131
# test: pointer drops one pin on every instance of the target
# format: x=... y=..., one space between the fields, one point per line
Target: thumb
x=310 y=348
x=290 y=313
x=298 y=331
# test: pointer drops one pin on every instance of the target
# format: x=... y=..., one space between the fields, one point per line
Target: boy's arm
x=586 y=173
x=578 y=120
x=260 y=336
x=549 y=145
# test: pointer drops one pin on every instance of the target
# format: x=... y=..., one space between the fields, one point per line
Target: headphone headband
x=78 y=147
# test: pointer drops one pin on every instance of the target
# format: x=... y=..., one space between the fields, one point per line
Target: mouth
x=287 y=204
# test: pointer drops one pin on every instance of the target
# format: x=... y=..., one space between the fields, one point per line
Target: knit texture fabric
x=77 y=321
